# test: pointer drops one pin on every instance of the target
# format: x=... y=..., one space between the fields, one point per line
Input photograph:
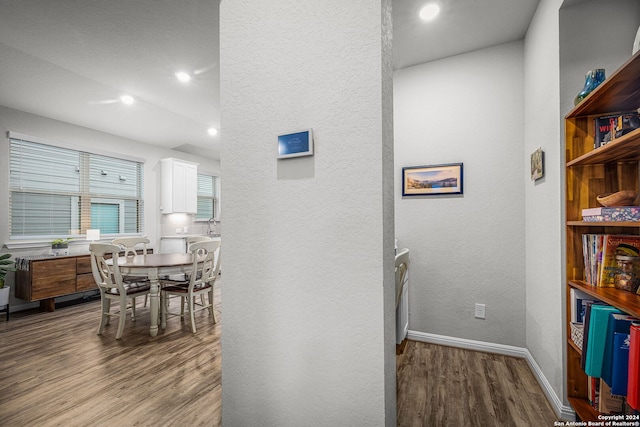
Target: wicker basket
x=577 y=332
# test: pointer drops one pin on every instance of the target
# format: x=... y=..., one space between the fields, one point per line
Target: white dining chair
x=190 y=241
x=131 y=246
x=109 y=280
x=196 y=239
x=202 y=278
x=183 y=278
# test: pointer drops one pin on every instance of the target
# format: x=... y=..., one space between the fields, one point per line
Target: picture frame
x=432 y=180
x=537 y=164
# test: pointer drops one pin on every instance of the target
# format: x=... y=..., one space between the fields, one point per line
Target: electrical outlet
x=480 y=311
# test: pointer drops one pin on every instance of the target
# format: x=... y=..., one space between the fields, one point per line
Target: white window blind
x=207 y=196
x=59 y=192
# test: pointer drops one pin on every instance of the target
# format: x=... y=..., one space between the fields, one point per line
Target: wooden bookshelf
x=589 y=173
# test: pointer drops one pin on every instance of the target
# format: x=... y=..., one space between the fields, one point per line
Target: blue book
x=598 y=324
x=585 y=336
x=620 y=376
x=618 y=322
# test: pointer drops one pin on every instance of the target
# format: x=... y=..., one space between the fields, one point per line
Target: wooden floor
x=446 y=386
x=57 y=372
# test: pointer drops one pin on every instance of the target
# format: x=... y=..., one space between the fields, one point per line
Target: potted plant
x=60 y=246
x=6 y=265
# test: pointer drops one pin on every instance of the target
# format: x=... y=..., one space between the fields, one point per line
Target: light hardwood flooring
x=56 y=371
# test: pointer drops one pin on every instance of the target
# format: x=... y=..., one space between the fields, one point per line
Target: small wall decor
x=432 y=180
x=537 y=164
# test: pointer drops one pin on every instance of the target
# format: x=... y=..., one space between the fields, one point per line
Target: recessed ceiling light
x=429 y=11
x=183 y=76
x=127 y=99
x=212 y=131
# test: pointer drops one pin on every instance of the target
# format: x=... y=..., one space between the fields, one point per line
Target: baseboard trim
x=564 y=412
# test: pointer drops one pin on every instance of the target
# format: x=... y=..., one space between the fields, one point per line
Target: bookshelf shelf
x=603 y=224
x=626 y=301
x=625 y=149
x=590 y=172
x=583 y=409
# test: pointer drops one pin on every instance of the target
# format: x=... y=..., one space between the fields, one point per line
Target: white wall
x=543 y=225
x=467 y=248
x=308 y=321
x=84 y=138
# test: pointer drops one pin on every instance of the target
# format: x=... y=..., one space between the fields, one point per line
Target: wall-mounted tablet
x=295 y=144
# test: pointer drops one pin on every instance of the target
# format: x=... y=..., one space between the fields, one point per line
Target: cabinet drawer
x=83 y=265
x=85 y=282
x=53 y=278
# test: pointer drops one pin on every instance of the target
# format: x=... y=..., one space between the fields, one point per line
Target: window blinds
x=55 y=191
x=207 y=196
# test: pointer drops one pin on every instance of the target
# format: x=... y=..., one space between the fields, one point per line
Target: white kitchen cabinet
x=179 y=186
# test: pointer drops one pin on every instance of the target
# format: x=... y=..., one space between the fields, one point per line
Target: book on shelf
x=617 y=323
x=609 y=403
x=593 y=392
x=633 y=385
x=611 y=214
x=615 y=244
x=613 y=126
x=578 y=304
x=592 y=256
x=585 y=333
x=598 y=323
x=620 y=373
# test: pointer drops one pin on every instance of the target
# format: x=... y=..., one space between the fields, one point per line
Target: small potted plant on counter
x=60 y=246
x=6 y=265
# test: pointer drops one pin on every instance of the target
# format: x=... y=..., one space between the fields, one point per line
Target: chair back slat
x=106 y=275
x=205 y=271
x=130 y=245
x=196 y=239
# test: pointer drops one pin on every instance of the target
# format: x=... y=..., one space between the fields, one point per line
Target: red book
x=633 y=385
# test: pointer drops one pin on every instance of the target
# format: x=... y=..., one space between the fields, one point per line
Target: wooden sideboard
x=44 y=279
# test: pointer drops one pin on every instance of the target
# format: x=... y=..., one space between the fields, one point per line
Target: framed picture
x=432 y=180
x=537 y=164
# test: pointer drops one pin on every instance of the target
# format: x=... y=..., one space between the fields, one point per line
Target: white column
x=308 y=286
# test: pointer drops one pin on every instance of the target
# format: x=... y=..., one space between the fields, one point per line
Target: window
x=207 y=197
x=59 y=192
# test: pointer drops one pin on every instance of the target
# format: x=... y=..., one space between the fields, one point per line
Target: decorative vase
x=59 y=249
x=591 y=81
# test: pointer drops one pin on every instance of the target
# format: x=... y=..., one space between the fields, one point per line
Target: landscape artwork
x=432 y=180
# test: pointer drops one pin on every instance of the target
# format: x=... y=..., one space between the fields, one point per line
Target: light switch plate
x=480 y=311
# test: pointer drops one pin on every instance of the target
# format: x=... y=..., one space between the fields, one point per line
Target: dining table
x=154 y=266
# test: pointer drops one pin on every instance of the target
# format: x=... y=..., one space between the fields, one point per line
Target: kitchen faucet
x=209 y=228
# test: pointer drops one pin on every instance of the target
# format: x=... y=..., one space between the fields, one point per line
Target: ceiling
x=70 y=60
